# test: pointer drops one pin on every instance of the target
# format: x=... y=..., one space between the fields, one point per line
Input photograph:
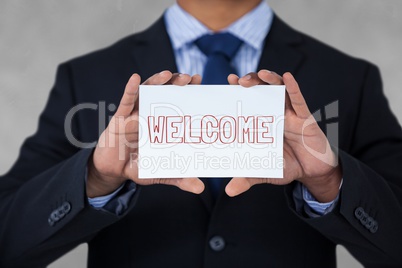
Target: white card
x=211 y=131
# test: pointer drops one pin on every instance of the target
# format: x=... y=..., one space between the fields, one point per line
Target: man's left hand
x=308 y=156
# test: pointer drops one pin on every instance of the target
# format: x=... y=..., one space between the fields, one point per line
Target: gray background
x=35 y=36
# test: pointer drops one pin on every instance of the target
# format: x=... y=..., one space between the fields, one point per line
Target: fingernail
x=162 y=72
x=247 y=77
x=268 y=71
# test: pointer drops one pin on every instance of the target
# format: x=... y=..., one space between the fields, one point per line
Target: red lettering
x=208 y=124
x=262 y=124
x=188 y=131
x=156 y=130
x=172 y=130
x=227 y=127
x=246 y=127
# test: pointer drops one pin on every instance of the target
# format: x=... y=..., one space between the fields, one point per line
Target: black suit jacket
x=44 y=210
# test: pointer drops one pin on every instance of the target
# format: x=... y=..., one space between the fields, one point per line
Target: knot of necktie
x=220 y=49
x=220 y=43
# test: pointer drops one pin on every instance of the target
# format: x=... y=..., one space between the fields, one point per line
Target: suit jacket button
x=50 y=221
x=359 y=212
x=61 y=212
x=66 y=207
x=364 y=220
x=217 y=243
x=374 y=227
x=55 y=216
x=370 y=222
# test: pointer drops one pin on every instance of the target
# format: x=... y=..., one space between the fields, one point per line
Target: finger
x=192 y=185
x=288 y=104
x=233 y=79
x=179 y=79
x=269 y=77
x=297 y=101
x=196 y=79
x=130 y=96
x=130 y=126
x=250 y=80
x=238 y=186
x=159 y=78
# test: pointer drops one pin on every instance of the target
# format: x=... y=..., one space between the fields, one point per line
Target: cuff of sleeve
x=116 y=202
x=120 y=203
x=305 y=201
x=101 y=201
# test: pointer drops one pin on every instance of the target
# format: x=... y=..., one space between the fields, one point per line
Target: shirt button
x=217 y=243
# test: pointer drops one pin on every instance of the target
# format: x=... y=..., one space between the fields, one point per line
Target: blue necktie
x=220 y=49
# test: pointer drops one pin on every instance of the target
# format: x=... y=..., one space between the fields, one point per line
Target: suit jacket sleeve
x=368 y=217
x=48 y=177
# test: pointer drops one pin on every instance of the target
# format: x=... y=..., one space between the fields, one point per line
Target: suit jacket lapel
x=153 y=51
x=280 y=54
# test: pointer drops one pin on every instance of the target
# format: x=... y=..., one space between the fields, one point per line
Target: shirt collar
x=251 y=28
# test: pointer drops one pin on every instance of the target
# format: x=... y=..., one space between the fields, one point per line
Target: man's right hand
x=115 y=157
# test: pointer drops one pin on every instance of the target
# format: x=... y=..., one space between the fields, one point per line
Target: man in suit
x=60 y=194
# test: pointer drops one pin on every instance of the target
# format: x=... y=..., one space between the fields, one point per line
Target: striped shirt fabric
x=184 y=29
